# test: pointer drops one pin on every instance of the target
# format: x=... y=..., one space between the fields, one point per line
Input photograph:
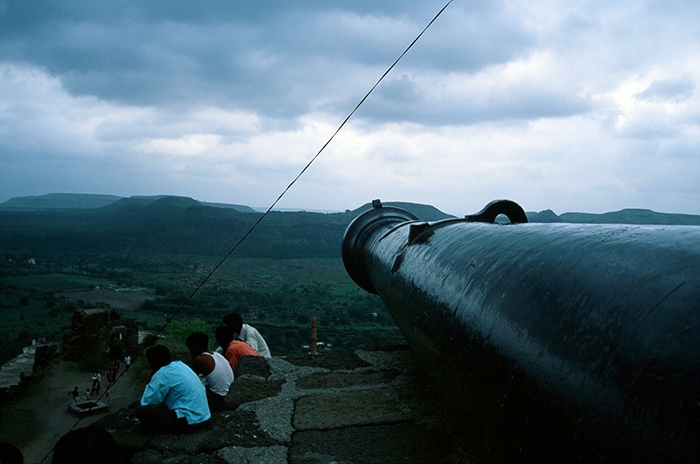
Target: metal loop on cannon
x=508 y=208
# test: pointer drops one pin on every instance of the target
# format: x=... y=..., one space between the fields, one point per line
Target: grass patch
x=56 y=282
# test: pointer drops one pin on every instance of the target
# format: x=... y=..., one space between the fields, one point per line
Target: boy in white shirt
x=212 y=366
x=247 y=334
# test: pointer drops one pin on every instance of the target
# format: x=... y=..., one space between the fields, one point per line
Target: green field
x=286 y=272
x=25 y=315
x=55 y=282
x=278 y=296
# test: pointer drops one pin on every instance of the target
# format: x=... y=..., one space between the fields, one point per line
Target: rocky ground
x=362 y=407
x=371 y=406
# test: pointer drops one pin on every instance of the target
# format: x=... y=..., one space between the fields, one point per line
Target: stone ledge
x=363 y=407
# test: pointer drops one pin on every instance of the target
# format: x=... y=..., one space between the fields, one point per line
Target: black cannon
x=577 y=337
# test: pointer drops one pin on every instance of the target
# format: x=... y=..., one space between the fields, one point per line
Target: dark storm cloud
x=401 y=99
x=224 y=100
x=275 y=58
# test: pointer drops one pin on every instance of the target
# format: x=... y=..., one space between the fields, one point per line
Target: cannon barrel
x=581 y=334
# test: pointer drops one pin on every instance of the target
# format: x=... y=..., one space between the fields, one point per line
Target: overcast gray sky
x=585 y=106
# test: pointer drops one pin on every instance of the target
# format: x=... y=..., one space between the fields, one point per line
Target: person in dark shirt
x=247 y=333
x=233 y=349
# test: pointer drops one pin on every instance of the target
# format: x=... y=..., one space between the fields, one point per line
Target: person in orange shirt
x=233 y=349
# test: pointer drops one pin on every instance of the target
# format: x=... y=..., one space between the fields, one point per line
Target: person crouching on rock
x=247 y=333
x=233 y=349
x=213 y=367
x=174 y=399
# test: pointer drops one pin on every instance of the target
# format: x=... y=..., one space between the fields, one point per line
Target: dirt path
x=35 y=422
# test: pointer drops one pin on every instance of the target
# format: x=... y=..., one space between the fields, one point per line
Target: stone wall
x=100 y=332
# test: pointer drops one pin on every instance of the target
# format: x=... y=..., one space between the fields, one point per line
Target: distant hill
x=181 y=225
x=169 y=225
x=625 y=216
x=262 y=209
x=56 y=201
x=543 y=216
x=423 y=212
x=154 y=203
x=241 y=208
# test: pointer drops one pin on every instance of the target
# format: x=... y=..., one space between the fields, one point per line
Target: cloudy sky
x=585 y=106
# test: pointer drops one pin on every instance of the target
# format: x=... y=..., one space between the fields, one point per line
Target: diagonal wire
x=260 y=219
x=269 y=209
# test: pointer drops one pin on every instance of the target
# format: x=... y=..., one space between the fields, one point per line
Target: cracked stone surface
x=346 y=379
x=370 y=406
x=347 y=408
x=256 y=454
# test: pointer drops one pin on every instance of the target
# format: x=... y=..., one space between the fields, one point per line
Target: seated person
x=174 y=400
x=212 y=366
x=233 y=349
x=247 y=334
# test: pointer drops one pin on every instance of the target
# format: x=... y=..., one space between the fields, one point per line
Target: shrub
x=179 y=330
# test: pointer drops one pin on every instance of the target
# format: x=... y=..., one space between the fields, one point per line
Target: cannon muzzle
x=581 y=336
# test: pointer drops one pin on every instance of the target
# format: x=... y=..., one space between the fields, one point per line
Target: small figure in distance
x=247 y=333
x=212 y=366
x=96 y=383
x=75 y=394
x=174 y=399
x=233 y=349
x=127 y=362
x=113 y=371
